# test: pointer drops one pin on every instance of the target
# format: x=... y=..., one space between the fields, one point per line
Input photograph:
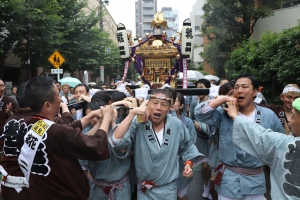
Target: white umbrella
x=92 y=83
x=192 y=75
x=211 y=77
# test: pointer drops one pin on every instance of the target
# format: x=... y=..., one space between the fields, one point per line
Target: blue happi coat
x=237 y=185
x=155 y=163
x=280 y=152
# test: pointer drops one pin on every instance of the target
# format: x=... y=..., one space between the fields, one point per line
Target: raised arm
x=86 y=98
x=107 y=114
x=125 y=124
x=86 y=119
x=64 y=108
x=220 y=100
x=255 y=140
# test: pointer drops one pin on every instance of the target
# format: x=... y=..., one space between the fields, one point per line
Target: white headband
x=289 y=89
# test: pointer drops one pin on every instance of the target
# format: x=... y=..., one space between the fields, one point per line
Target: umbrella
x=92 y=83
x=70 y=81
x=192 y=75
x=211 y=77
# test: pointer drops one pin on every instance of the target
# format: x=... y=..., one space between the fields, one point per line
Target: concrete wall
x=197 y=57
x=282 y=19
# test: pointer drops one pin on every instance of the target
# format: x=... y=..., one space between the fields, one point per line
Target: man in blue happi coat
x=243 y=175
x=156 y=143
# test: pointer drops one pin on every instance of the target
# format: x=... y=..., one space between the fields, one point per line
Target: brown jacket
x=56 y=173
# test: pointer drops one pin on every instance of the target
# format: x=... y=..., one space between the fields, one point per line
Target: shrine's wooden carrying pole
x=186 y=92
x=190 y=91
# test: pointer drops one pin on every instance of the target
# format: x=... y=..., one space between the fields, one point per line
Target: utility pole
x=101 y=2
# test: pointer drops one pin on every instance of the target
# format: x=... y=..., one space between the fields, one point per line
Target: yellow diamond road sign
x=56 y=59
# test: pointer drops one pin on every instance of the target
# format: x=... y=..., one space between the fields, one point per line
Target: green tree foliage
x=19 y=16
x=228 y=23
x=86 y=47
x=274 y=60
x=69 y=26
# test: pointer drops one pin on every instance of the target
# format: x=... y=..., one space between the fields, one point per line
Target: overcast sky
x=123 y=11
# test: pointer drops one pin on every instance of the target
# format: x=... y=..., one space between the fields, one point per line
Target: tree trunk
x=246 y=27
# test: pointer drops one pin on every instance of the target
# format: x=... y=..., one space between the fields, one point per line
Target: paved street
x=196 y=187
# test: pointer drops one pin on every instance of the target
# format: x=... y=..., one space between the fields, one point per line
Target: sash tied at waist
x=109 y=187
x=17 y=182
x=246 y=171
x=146 y=185
x=219 y=171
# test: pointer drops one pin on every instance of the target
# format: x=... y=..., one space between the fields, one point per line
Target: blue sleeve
x=212 y=117
x=260 y=142
x=187 y=150
x=192 y=130
x=126 y=142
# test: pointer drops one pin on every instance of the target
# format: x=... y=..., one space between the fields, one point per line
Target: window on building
x=148 y=16
x=167 y=13
x=197 y=28
x=147 y=1
x=171 y=24
x=148 y=8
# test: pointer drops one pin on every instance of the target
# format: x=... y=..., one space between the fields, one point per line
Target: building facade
x=285 y=17
x=107 y=24
x=199 y=41
x=172 y=16
x=144 y=12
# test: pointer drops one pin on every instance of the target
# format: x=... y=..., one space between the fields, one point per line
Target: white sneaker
x=206 y=192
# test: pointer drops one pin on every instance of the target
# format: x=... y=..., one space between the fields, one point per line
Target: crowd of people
x=115 y=145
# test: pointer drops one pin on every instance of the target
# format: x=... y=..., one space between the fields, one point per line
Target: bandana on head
x=296 y=104
x=291 y=88
x=161 y=98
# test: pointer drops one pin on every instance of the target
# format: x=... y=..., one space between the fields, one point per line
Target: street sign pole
x=102 y=74
x=58 y=75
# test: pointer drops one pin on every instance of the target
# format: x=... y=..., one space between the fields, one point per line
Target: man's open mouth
x=241 y=98
x=157 y=115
